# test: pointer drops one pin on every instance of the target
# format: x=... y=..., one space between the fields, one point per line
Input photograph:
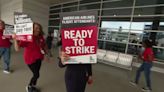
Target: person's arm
x=62 y=58
x=89 y=74
x=60 y=64
x=89 y=70
x=16 y=46
x=46 y=49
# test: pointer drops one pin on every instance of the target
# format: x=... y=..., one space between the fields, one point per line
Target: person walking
x=147 y=57
x=5 y=45
x=33 y=54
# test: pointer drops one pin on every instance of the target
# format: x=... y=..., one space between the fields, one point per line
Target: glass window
x=115 y=19
x=55 y=11
x=160 y=39
x=136 y=37
x=51 y=29
x=159 y=54
x=144 y=19
x=54 y=16
x=88 y=1
x=118 y=3
x=70 y=9
x=100 y=44
x=91 y=6
x=161 y=27
x=117 y=12
x=148 y=2
x=54 y=22
x=70 y=4
x=135 y=49
x=148 y=23
x=113 y=46
x=57 y=6
x=113 y=35
x=149 y=11
x=116 y=24
x=140 y=26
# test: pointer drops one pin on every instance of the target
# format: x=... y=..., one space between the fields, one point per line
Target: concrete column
x=8 y=7
x=38 y=11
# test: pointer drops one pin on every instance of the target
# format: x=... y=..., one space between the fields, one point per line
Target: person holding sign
x=5 y=45
x=33 y=54
x=76 y=75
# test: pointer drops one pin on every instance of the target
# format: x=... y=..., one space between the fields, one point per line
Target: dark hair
x=148 y=43
x=41 y=29
x=2 y=23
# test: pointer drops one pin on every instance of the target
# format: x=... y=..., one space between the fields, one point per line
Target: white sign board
x=20 y=18
x=23 y=27
x=24 y=31
x=9 y=30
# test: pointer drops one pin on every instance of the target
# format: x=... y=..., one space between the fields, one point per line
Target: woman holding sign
x=5 y=45
x=33 y=54
x=76 y=75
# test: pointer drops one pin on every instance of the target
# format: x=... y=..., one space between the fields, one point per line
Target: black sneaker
x=146 y=89
x=29 y=89
x=32 y=89
x=35 y=89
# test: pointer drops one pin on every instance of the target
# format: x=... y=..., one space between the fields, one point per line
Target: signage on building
x=79 y=36
x=23 y=27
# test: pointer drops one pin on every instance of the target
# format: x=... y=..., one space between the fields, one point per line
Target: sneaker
x=146 y=90
x=133 y=83
x=29 y=89
x=6 y=71
x=35 y=89
x=32 y=89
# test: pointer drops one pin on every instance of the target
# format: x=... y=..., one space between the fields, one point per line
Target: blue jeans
x=5 y=53
x=146 y=67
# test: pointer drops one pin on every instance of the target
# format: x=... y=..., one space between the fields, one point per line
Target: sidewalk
x=106 y=78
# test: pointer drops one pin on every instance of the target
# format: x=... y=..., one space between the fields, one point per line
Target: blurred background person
x=5 y=45
x=147 y=57
x=49 y=40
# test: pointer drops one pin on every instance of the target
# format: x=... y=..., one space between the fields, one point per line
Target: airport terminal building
x=123 y=24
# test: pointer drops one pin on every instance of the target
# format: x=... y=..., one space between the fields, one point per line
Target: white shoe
x=146 y=90
x=26 y=88
x=6 y=71
x=133 y=83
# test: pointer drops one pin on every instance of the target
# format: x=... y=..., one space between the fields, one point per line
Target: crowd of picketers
x=76 y=75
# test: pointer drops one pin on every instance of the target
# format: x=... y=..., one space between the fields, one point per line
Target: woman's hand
x=90 y=80
x=14 y=36
x=47 y=58
x=140 y=57
x=64 y=57
x=16 y=46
